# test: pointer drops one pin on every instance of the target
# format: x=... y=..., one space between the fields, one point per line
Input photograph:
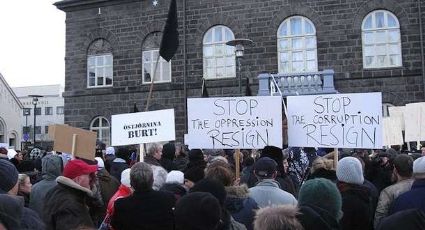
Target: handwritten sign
x=143 y=127
x=234 y=122
x=397 y=112
x=335 y=120
x=414 y=120
x=392 y=133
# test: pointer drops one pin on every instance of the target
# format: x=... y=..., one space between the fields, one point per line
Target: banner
x=392 y=133
x=143 y=127
x=414 y=120
x=335 y=121
x=397 y=112
x=234 y=122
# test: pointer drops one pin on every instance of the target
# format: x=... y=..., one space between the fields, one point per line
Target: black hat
x=212 y=186
x=8 y=176
x=194 y=174
x=273 y=152
x=196 y=155
x=265 y=167
x=197 y=210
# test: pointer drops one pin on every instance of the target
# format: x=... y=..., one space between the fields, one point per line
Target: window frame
x=48 y=111
x=57 y=110
x=374 y=30
x=104 y=56
x=152 y=63
x=290 y=50
x=100 y=129
x=229 y=53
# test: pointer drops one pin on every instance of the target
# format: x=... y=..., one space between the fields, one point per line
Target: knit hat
x=100 y=163
x=321 y=193
x=349 y=170
x=11 y=153
x=110 y=151
x=197 y=210
x=265 y=167
x=77 y=168
x=8 y=176
x=125 y=177
x=273 y=152
x=212 y=186
x=175 y=177
x=196 y=155
x=419 y=165
x=194 y=174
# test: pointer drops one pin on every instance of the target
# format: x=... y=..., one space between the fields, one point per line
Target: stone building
x=10 y=116
x=111 y=47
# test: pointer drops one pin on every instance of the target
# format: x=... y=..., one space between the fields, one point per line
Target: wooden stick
x=335 y=157
x=74 y=145
x=142 y=152
x=237 y=166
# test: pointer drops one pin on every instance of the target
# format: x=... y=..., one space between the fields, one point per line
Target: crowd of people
x=175 y=188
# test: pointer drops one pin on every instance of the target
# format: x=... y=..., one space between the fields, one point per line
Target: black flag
x=248 y=88
x=204 y=92
x=170 y=35
x=135 y=109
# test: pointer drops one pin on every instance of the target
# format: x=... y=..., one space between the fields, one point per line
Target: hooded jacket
x=240 y=205
x=66 y=206
x=51 y=168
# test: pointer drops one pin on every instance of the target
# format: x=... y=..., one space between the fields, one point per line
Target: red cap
x=77 y=168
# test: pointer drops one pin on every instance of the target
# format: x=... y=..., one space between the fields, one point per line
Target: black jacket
x=412 y=219
x=66 y=206
x=312 y=217
x=144 y=211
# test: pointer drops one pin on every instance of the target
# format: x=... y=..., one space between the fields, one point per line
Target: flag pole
x=152 y=81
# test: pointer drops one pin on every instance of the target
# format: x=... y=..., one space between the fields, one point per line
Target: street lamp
x=239 y=45
x=34 y=102
x=26 y=137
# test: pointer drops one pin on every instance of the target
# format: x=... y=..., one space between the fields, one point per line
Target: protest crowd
x=176 y=188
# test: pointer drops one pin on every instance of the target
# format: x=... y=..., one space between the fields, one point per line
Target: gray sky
x=32 y=42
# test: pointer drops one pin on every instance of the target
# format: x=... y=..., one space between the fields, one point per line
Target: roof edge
x=11 y=91
x=72 y=5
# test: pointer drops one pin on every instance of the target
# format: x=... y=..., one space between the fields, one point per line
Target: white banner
x=392 y=133
x=414 y=120
x=335 y=120
x=143 y=127
x=397 y=112
x=234 y=122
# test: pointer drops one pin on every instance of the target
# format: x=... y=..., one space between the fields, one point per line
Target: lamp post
x=34 y=102
x=239 y=45
x=26 y=114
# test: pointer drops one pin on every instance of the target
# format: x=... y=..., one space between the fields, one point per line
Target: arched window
x=219 y=58
x=150 y=53
x=100 y=125
x=296 y=45
x=381 y=40
x=99 y=64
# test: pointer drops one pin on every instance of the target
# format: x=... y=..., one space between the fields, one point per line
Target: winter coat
x=108 y=162
x=380 y=176
x=66 y=205
x=357 y=206
x=123 y=191
x=267 y=193
x=387 y=197
x=323 y=173
x=117 y=166
x=159 y=173
x=14 y=215
x=415 y=198
x=51 y=168
x=108 y=185
x=411 y=219
x=234 y=225
x=240 y=205
x=144 y=210
x=312 y=217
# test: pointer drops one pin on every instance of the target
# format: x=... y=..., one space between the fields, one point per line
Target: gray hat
x=8 y=175
x=349 y=170
x=419 y=165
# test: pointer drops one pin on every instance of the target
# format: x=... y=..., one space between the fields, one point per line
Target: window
x=99 y=64
x=27 y=112
x=296 y=45
x=381 y=40
x=26 y=130
x=48 y=110
x=100 y=125
x=219 y=58
x=37 y=129
x=46 y=129
x=59 y=110
x=150 y=53
x=38 y=111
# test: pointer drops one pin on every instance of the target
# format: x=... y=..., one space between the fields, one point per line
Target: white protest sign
x=414 y=120
x=335 y=120
x=234 y=122
x=143 y=127
x=397 y=112
x=392 y=133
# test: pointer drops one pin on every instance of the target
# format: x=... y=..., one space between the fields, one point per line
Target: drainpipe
x=421 y=36
x=184 y=66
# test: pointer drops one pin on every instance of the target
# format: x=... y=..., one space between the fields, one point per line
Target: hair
x=282 y=217
x=220 y=171
x=21 y=180
x=152 y=148
x=404 y=165
x=141 y=177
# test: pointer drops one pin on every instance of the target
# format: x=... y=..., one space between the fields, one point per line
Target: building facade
x=49 y=110
x=10 y=116
x=112 y=47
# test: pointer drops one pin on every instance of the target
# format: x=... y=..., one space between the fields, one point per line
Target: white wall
x=10 y=114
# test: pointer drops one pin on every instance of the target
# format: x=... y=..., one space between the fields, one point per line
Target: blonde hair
x=22 y=178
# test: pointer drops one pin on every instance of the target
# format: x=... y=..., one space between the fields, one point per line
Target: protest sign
x=80 y=142
x=392 y=133
x=335 y=120
x=414 y=120
x=143 y=127
x=234 y=122
x=397 y=112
